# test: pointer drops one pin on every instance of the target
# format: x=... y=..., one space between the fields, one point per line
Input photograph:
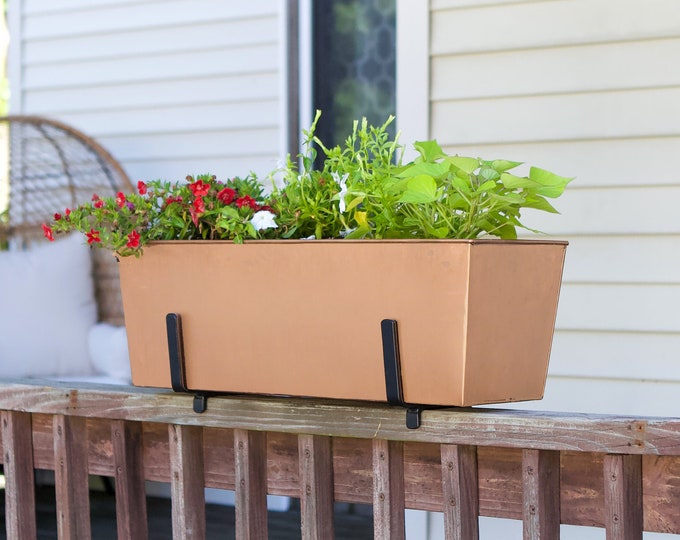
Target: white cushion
x=47 y=308
x=109 y=352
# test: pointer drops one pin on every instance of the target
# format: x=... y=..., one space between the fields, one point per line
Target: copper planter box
x=476 y=317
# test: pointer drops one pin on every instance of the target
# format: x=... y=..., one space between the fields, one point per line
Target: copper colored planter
x=476 y=317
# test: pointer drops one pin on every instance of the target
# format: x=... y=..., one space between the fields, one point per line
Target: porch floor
x=351 y=522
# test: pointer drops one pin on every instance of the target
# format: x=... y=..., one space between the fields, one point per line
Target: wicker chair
x=53 y=166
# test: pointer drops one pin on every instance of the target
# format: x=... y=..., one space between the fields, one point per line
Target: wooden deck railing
x=545 y=469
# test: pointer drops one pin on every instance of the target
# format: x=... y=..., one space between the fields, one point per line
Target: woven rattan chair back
x=50 y=166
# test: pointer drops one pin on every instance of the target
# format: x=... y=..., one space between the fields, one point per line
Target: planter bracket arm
x=173 y=324
x=392 y=363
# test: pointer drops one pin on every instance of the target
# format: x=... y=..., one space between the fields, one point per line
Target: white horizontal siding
x=577 y=68
x=586 y=88
x=184 y=118
x=598 y=115
x=139 y=95
x=594 y=162
x=522 y=25
x=169 y=87
x=87 y=19
x=215 y=34
x=623 y=308
x=650 y=355
x=205 y=63
x=614 y=211
x=624 y=259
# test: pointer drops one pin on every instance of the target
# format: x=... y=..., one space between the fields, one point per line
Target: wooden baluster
x=130 y=489
x=17 y=442
x=461 y=491
x=315 y=459
x=250 y=463
x=71 y=477
x=623 y=497
x=541 y=487
x=187 y=482
x=388 y=489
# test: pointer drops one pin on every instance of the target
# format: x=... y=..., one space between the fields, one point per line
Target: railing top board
x=469 y=426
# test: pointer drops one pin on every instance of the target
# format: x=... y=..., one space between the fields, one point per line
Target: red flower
x=199 y=205
x=67 y=212
x=197 y=208
x=57 y=216
x=141 y=187
x=98 y=203
x=120 y=199
x=133 y=239
x=199 y=188
x=226 y=196
x=171 y=200
x=246 y=200
x=47 y=231
x=93 y=236
x=95 y=197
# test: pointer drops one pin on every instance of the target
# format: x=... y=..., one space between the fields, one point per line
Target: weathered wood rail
x=543 y=468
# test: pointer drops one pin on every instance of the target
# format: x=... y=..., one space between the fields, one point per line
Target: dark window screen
x=354 y=64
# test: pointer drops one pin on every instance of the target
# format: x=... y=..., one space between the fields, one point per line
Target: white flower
x=264 y=219
x=342 y=182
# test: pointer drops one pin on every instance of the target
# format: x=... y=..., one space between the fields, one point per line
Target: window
x=353 y=64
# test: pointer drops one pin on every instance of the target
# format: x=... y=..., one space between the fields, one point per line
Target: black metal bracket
x=173 y=324
x=392 y=362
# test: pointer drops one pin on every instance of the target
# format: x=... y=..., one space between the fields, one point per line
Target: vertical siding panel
x=250 y=462
x=17 y=446
x=71 y=478
x=187 y=481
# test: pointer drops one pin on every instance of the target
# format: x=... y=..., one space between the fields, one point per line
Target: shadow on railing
x=622 y=474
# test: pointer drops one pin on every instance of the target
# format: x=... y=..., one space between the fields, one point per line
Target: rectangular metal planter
x=476 y=317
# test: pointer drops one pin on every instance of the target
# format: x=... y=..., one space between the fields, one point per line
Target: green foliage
x=434 y=196
x=363 y=190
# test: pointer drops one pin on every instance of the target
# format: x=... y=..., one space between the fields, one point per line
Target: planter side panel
x=299 y=318
x=514 y=290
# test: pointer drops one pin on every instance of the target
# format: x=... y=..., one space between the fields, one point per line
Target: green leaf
x=466 y=164
x=441 y=232
x=506 y=231
x=502 y=165
x=511 y=181
x=229 y=211
x=461 y=184
x=420 y=189
x=553 y=185
x=487 y=173
x=355 y=202
x=486 y=186
x=539 y=203
x=431 y=169
x=429 y=150
x=456 y=202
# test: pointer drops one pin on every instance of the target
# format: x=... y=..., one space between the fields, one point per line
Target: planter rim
x=343 y=241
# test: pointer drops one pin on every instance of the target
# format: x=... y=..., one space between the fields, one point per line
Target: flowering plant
x=361 y=190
